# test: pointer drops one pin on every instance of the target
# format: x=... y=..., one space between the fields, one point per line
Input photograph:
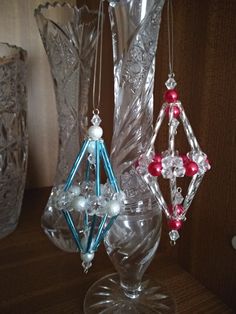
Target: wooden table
x=36 y=277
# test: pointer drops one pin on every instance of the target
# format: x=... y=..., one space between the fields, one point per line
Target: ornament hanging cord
x=170 y=30
x=98 y=61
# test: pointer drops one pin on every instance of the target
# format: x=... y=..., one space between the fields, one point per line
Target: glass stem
x=131 y=288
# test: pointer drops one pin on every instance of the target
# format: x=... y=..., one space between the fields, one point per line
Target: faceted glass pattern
x=135 y=28
x=69 y=35
x=13 y=135
x=131 y=245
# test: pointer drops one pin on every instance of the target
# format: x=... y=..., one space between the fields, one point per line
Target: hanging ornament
x=96 y=204
x=172 y=164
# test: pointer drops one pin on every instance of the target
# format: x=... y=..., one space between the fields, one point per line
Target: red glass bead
x=174 y=224
x=179 y=209
x=157 y=158
x=171 y=96
x=176 y=111
x=155 y=168
x=185 y=159
x=191 y=169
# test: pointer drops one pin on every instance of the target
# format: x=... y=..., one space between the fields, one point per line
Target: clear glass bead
x=179 y=172
x=170 y=83
x=97 y=204
x=91 y=159
x=62 y=200
x=178 y=199
x=174 y=235
x=96 y=120
x=177 y=162
x=167 y=162
x=167 y=173
x=201 y=160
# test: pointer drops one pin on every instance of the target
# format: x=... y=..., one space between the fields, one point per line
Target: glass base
x=107 y=296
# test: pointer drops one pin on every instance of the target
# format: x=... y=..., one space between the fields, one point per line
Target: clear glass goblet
x=131 y=244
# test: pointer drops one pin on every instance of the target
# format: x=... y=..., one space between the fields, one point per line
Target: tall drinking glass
x=13 y=135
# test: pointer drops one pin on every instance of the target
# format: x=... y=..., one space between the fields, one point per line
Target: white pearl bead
x=91 y=147
x=79 y=203
x=75 y=189
x=113 y=208
x=87 y=257
x=95 y=132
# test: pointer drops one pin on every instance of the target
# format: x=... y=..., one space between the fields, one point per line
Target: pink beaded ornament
x=171 y=164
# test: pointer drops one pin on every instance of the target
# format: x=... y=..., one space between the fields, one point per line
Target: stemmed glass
x=131 y=244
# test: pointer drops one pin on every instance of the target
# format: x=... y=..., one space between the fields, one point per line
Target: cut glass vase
x=134 y=237
x=13 y=135
x=135 y=28
x=69 y=35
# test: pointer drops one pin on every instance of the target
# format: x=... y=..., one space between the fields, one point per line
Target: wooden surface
x=36 y=277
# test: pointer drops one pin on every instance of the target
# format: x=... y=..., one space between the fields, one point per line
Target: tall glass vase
x=135 y=28
x=69 y=36
x=133 y=239
x=13 y=135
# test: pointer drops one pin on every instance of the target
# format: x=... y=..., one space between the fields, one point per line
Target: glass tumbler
x=13 y=135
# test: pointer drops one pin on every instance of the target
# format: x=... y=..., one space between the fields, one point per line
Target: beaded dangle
x=97 y=204
x=172 y=164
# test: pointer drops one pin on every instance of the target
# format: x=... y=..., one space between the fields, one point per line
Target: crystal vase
x=13 y=135
x=69 y=36
x=133 y=239
x=135 y=28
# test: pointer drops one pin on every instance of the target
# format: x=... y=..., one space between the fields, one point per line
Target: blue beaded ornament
x=98 y=204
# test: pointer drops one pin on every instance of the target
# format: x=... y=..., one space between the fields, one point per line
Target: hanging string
x=98 y=63
x=170 y=28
